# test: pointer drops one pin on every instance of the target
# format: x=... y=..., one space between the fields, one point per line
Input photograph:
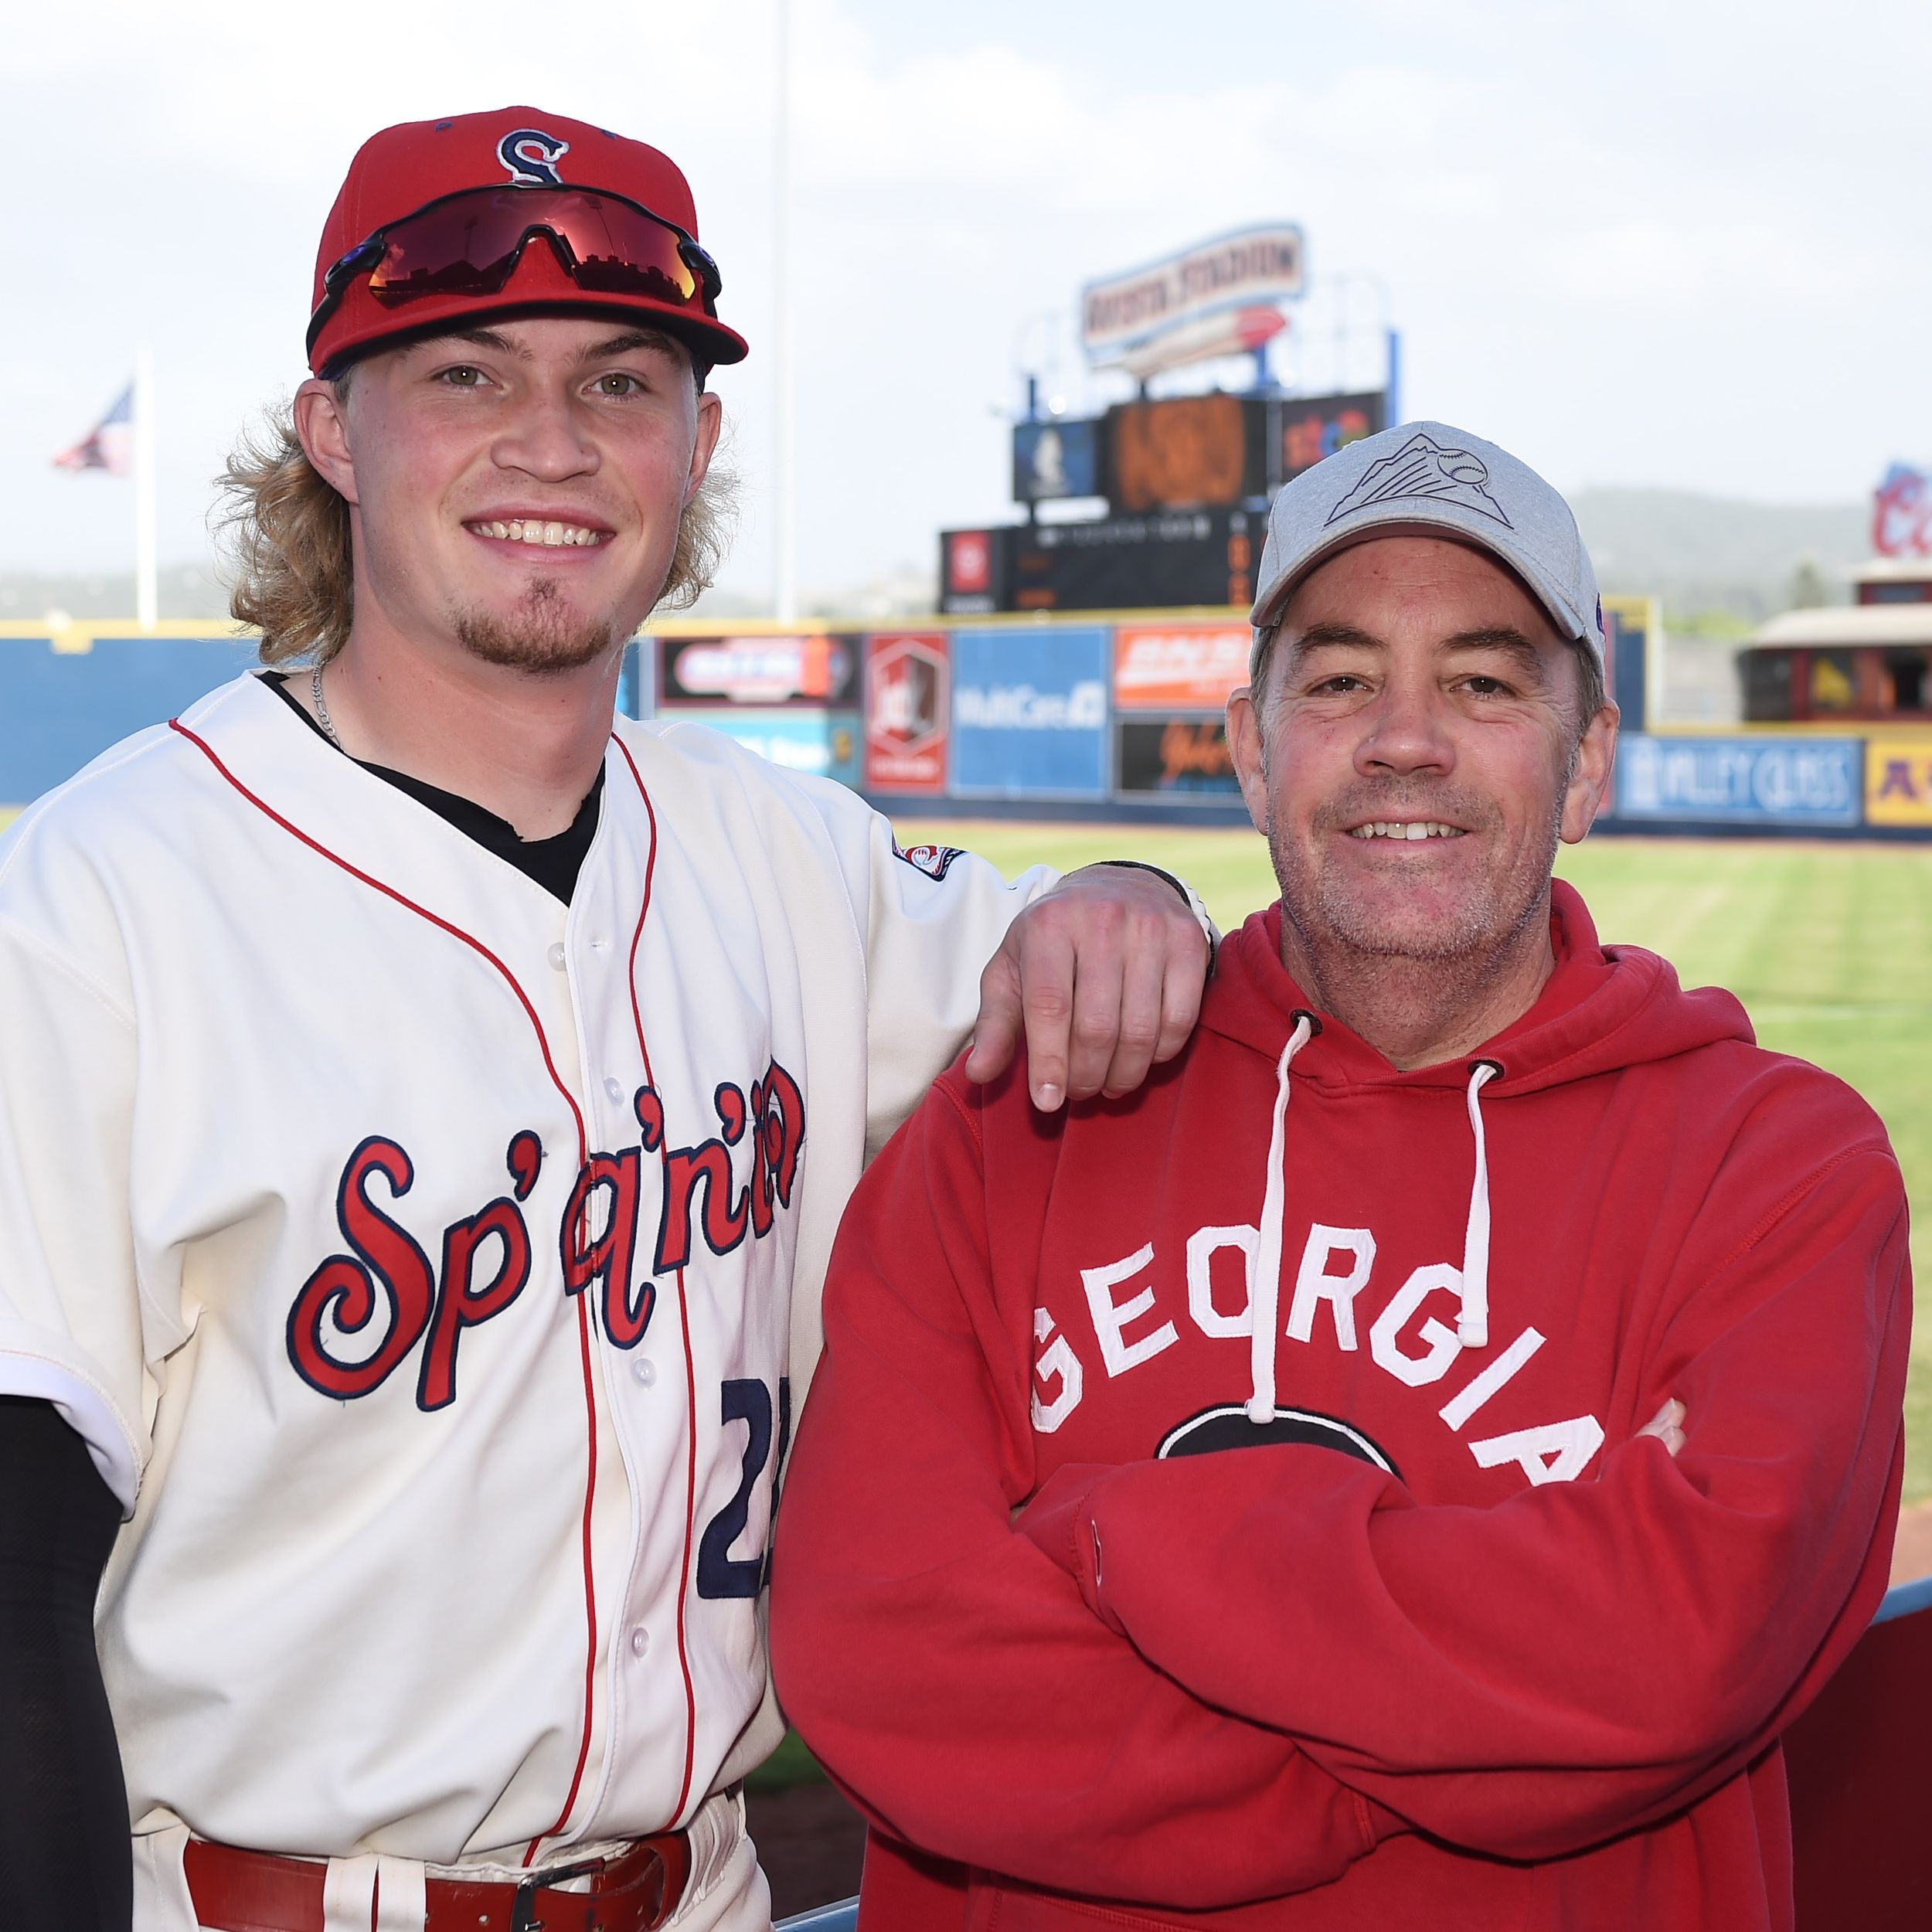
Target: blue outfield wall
x=61 y=708
x=1029 y=718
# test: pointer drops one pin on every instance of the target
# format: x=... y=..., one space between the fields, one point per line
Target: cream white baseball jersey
x=432 y=1268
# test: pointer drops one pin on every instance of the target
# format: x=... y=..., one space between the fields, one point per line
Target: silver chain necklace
x=322 y=708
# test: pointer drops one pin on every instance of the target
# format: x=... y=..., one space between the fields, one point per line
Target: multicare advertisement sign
x=908 y=710
x=812 y=668
x=1030 y=712
x=1178 y=667
x=1898 y=781
x=1773 y=781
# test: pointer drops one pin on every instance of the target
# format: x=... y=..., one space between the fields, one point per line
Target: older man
x=1405 y=1466
x=424 y=1112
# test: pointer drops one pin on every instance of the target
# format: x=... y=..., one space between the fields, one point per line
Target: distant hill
x=1729 y=563
x=1711 y=556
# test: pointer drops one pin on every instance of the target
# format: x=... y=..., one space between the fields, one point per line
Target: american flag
x=109 y=445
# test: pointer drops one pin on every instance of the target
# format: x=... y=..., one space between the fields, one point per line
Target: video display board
x=1116 y=562
x=1304 y=430
x=1057 y=458
x=1184 y=451
x=908 y=710
x=1030 y=712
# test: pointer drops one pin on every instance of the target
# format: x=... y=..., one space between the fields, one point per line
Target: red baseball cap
x=399 y=172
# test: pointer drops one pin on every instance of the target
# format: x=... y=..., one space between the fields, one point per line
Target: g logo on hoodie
x=1229 y=1427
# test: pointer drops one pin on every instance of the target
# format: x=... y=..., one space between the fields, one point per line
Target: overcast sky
x=1669 y=242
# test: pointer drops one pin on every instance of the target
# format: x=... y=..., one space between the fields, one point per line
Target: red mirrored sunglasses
x=469 y=244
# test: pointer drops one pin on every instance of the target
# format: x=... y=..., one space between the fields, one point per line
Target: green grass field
x=1829 y=947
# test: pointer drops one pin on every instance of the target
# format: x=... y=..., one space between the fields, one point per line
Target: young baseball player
x=424 y=1111
x=1405 y=1466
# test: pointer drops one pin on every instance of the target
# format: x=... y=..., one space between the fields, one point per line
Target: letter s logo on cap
x=531 y=155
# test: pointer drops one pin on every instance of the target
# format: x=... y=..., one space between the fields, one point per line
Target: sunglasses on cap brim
x=470 y=243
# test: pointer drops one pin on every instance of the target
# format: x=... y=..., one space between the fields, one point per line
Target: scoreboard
x=1187 y=481
x=1153 y=562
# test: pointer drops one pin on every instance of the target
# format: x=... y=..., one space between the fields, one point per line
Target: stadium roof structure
x=1842 y=627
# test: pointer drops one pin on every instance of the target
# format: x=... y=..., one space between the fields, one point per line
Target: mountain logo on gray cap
x=1423 y=468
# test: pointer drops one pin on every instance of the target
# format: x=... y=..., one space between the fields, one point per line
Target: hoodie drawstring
x=1264 y=1282
x=1264 y=1290
x=1472 y=1325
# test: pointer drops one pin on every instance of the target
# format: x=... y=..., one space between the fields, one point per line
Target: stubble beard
x=1474 y=933
x=543 y=633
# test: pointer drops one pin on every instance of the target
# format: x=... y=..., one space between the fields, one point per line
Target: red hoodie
x=1447 y=1644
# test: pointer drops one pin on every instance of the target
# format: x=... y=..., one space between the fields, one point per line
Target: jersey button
x=613 y=1089
x=557 y=958
x=645 y=1369
x=639 y=1641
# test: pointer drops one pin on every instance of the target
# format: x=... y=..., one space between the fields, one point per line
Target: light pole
x=147 y=602
x=784 y=588
x=1391 y=337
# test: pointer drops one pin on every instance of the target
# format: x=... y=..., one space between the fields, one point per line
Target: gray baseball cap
x=1426 y=479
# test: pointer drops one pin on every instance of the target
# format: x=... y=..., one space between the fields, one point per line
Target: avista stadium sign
x=1252 y=265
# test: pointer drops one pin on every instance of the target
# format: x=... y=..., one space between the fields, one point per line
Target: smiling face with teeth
x=515 y=489
x=1413 y=755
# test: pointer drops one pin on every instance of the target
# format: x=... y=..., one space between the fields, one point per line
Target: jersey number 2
x=719 y=1573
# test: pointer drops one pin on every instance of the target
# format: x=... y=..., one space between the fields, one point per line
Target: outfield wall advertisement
x=1760 y=781
x=1898 y=781
x=908 y=710
x=1030 y=712
x=1170 y=687
x=824 y=743
x=810 y=669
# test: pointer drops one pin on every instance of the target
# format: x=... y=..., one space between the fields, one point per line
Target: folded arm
x=946 y=1672
x=1532 y=1677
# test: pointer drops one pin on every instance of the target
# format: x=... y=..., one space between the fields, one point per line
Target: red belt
x=637 y=1891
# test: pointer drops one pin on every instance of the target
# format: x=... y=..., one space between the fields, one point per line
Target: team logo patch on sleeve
x=934 y=861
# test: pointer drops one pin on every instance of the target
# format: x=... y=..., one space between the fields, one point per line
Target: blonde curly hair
x=287 y=532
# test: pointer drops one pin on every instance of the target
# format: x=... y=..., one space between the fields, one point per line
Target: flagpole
x=784 y=598
x=147 y=600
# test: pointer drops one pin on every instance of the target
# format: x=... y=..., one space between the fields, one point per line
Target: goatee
x=543 y=634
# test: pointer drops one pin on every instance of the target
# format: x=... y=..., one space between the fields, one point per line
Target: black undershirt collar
x=552 y=863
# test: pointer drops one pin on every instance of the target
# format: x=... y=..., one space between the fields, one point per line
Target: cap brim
x=709 y=341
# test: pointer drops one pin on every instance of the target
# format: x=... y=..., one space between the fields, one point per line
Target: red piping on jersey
x=684 y=1318
x=583 y=1154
